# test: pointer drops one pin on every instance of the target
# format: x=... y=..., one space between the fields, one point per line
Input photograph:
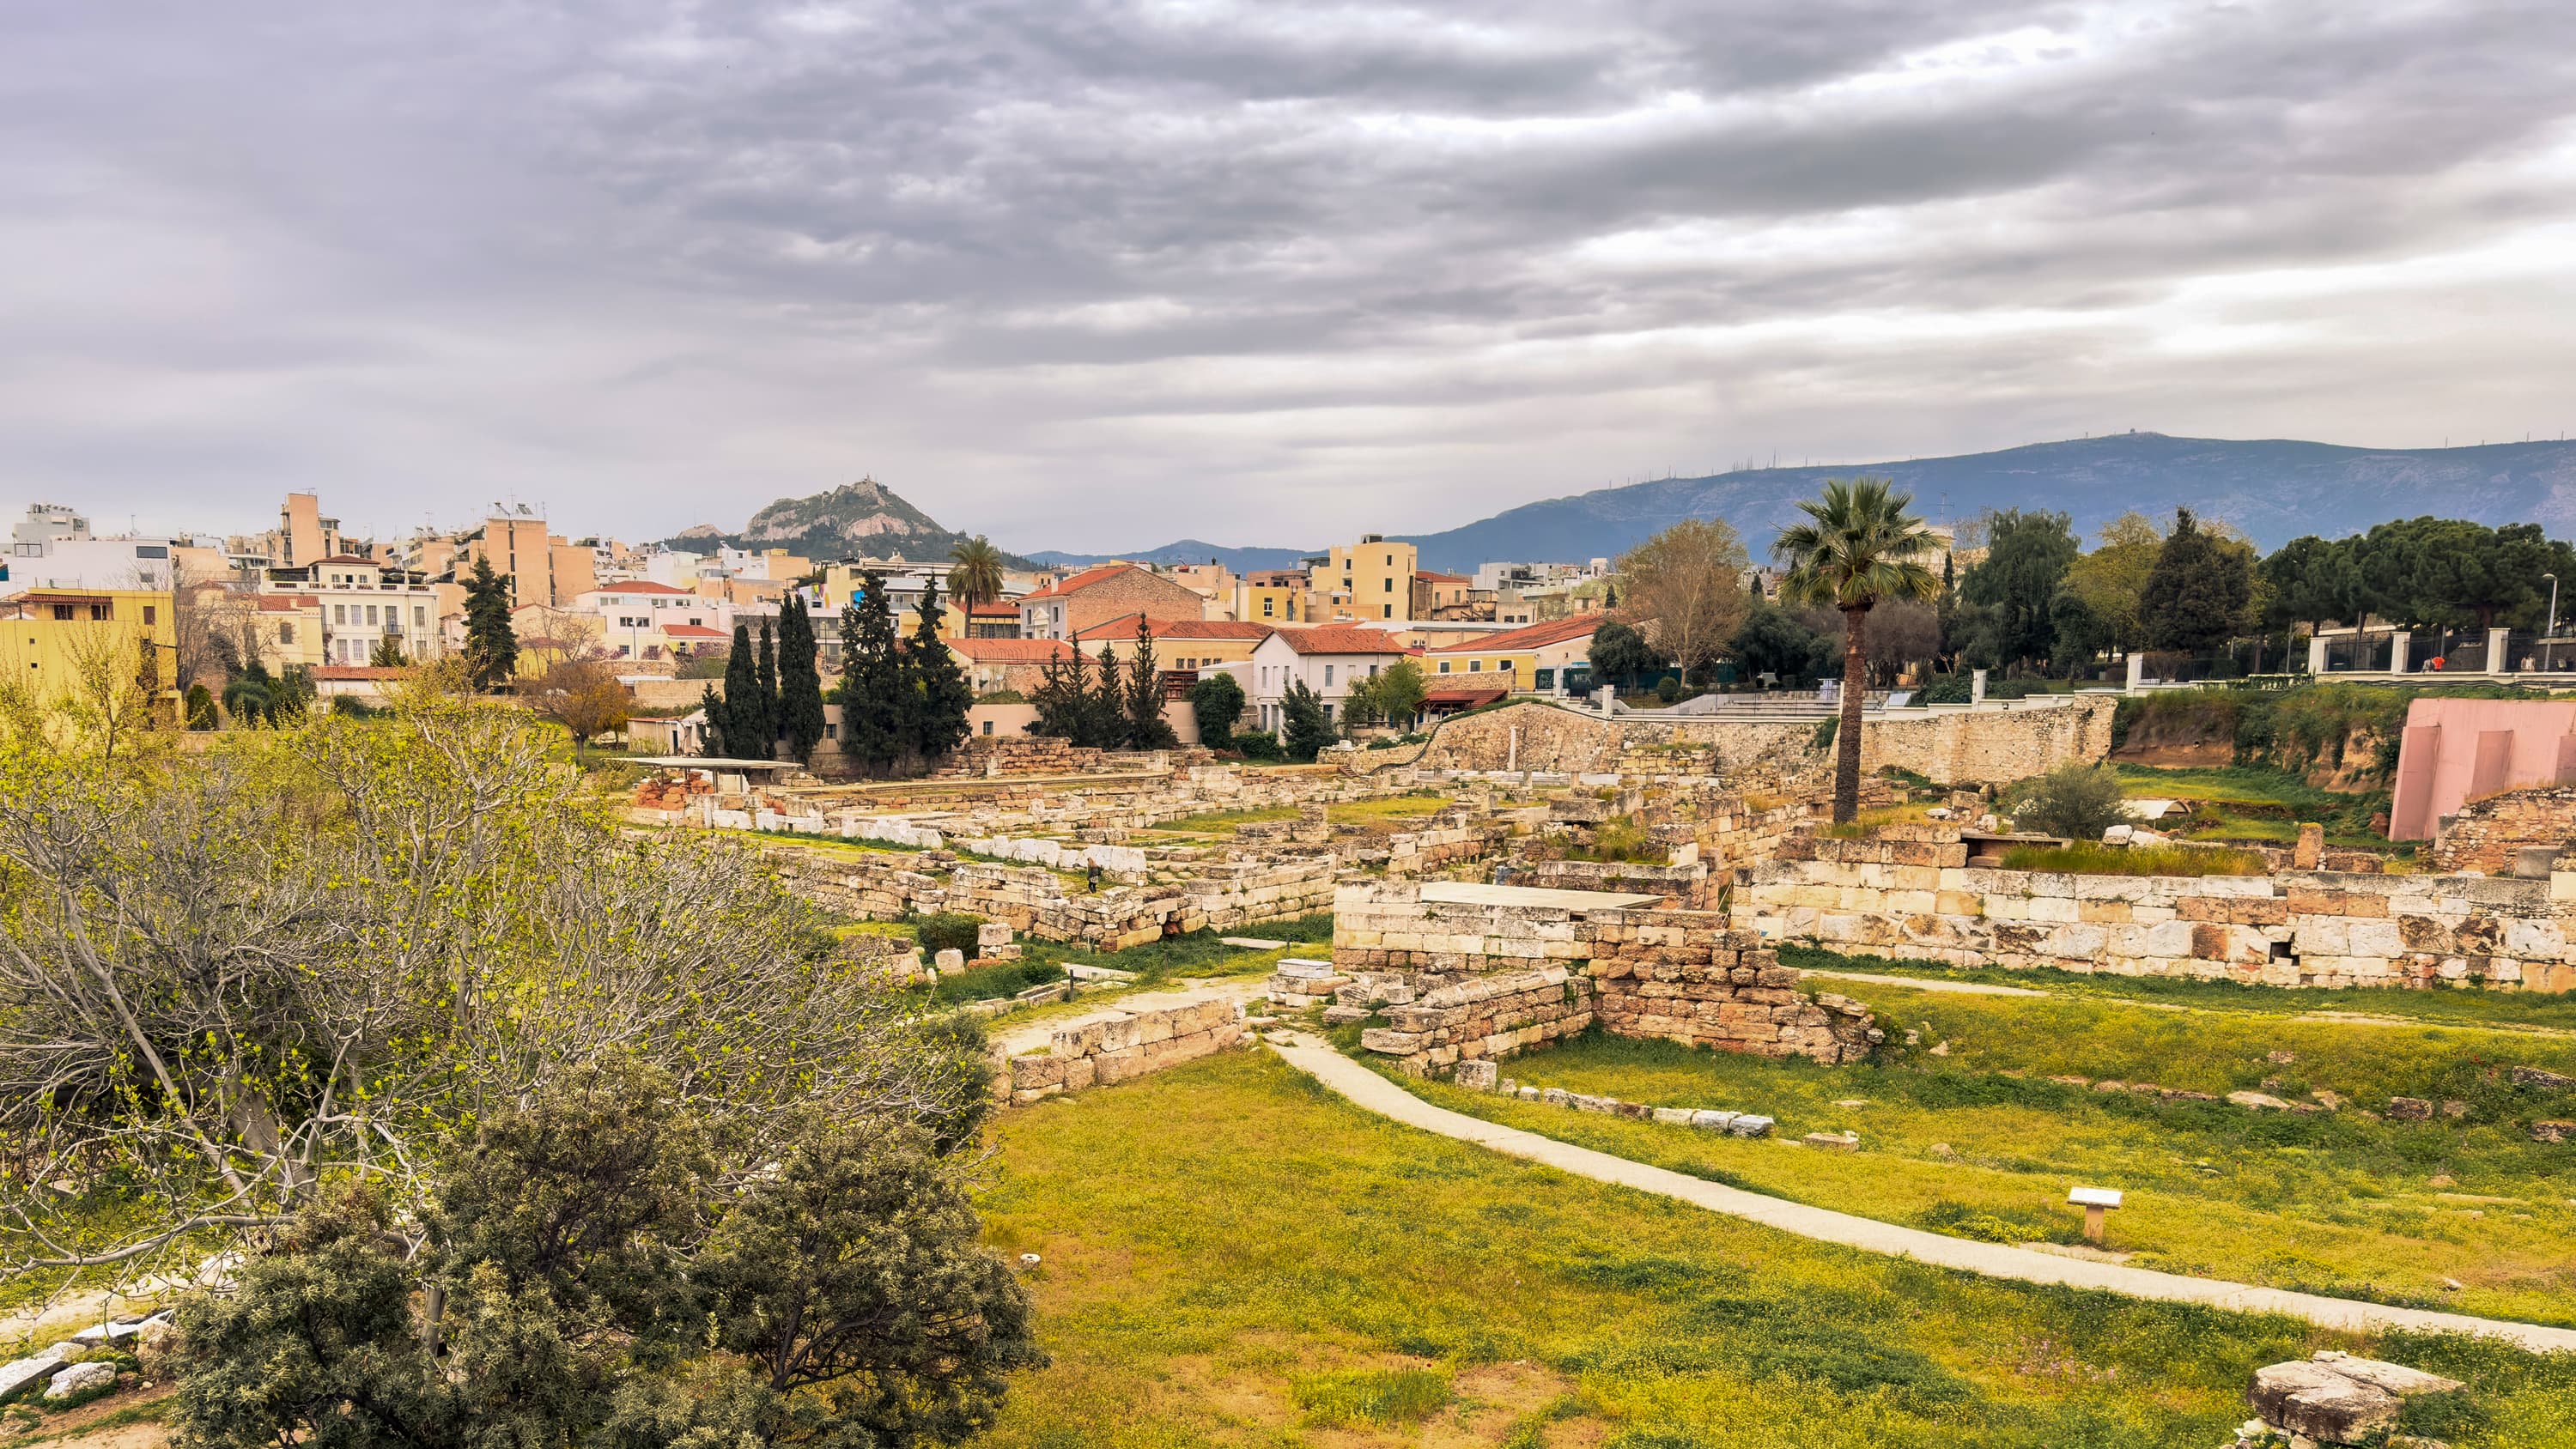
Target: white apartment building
x=646 y=621
x=364 y=603
x=1329 y=660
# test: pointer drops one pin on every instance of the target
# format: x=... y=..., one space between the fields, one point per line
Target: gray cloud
x=1092 y=275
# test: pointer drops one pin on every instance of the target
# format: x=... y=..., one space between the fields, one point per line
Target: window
x=1505 y=666
x=1328 y=676
x=371 y=613
x=1390 y=611
x=62 y=613
x=1475 y=666
x=420 y=616
x=1444 y=666
x=286 y=633
x=150 y=615
x=339 y=613
x=1390 y=586
x=988 y=727
x=98 y=613
x=1267 y=605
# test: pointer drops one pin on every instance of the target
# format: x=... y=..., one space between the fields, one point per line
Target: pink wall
x=2456 y=750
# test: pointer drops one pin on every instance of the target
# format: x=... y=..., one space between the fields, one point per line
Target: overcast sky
x=1097 y=276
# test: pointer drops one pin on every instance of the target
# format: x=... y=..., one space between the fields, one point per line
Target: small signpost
x=2096 y=1202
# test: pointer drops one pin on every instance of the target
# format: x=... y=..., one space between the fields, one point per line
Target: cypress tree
x=491 y=645
x=800 y=684
x=2195 y=597
x=769 y=684
x=874 y=707
x=1146 y=729
x=746 y=735
x=939 y=694
x=714 y=745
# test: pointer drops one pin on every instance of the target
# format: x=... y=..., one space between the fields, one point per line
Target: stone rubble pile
x=1483 y=1076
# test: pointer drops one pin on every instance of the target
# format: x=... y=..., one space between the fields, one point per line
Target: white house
x=641 y=620
x=1329 y=659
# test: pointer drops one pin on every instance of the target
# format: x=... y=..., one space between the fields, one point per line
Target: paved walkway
x=1994 y=1260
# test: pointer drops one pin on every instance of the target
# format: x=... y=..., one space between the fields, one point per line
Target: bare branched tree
x=323 y=954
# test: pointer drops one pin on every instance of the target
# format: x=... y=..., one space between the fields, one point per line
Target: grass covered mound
x=1232 y=1255
x=2090 y=858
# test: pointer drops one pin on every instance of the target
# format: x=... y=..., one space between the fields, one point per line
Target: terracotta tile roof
x=1554 y=631
x=1340 y=639
x=1082 y=580
x=1468 y=697
x=287 y=603
x=694 y=631
x=1124 y=627
x=998 y=609
x=1437 y=577
x=1010 y=651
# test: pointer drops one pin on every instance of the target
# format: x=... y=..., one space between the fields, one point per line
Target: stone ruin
x=2336 y=1399
x=1467 y=973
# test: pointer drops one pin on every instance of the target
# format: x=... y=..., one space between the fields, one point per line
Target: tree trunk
x=1847 y=734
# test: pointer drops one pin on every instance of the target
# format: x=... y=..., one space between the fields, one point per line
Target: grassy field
x=2257 y=803
x=1978 y=1142
x=2462 y=1005
x=1233 y=1256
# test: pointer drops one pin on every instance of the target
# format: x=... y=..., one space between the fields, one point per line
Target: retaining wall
x=1113 y=1046
x=1218 y=895
x=1953 y=746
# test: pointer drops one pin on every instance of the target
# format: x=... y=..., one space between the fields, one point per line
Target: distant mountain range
x=2273 y=489
x=1187 y=551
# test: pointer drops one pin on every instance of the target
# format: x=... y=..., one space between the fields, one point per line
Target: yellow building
x=51 y=640
x=1178 y=643
x=1369 y=580
x=1272 y=596
x=1549 y=658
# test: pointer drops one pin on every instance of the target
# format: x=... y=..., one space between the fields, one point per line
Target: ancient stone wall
x=1909 y=893
x=1686 y=887
x=1952 y=746
x=1468 y=981
x=1111 y=1047
x=1033 y=901
x=2488 y=835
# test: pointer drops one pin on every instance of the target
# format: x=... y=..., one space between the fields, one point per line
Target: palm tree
x=1859 y=546
x=975 y=572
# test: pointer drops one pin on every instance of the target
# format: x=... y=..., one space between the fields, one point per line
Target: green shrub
x=1668 y=689
x=1263 y=747
x=1002 y=978
x=2076 y=801
x=1371 y=1396
x=947 y=931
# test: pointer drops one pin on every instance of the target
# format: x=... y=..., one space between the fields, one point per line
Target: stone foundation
x=2490 y=835
x=1908 y=893
x=1471 y=982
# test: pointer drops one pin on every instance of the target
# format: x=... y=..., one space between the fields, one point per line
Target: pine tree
x=1146 y=729
x=939 y=694
x=746 y=724
x=1105 y=719
x=1058 y=698
x=491 y=645
x=2195 y=597
x=875 y=707
x=800 y=684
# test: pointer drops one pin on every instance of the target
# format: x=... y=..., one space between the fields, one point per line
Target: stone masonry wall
x=1113 y=1046
x=1218 y=895
x=2487 y=835
x=1909 y=893
x=1950 y=746
x=1471 y=981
